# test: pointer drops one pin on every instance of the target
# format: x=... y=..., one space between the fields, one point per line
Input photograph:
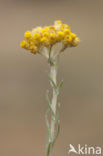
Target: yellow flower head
x=36 y=36
x=47 y=36
x=24 y=44
x=58 y=22
x=33 y=49
x=45 y=41
x=52 y=28
x=60 y=35
x=66 y=31
x=52 y=36
x=45 y=29
x=27 y=35
x=73 y=35
x=75 y=42
x=68 y=40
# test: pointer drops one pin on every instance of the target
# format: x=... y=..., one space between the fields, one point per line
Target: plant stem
x=53 y=108
x=54 y=100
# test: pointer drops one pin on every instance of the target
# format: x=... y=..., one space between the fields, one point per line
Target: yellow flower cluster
x=48 y=36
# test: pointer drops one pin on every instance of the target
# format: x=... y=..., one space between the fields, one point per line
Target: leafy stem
x=52 y=115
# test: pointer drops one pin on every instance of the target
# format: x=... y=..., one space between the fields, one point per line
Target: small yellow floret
x=60 y=35
x=62 y=26
x=27 y=35
x=45 y=41
x=58 y=22
x=23 y=44
x=33 y=49
x=46 y=34
x=52 y=28
x=38 y=29
x=46 y=29
x=52 y=36
x=36 y=36
x=76 y=41
x=67 y=31
x=68 y=40
x=66 y=26
x=73 y=35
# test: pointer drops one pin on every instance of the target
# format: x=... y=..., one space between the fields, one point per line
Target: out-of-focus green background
x=23 y=79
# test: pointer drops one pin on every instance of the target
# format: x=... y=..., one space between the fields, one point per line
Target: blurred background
x=23 y=79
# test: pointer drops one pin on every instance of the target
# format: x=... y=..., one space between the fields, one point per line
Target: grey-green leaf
x=49 y=103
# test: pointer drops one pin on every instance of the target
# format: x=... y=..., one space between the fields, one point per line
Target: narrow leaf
x=58 y=130
x=49 y=103
x=46 y=119
x=52 y=82
x=59 y=86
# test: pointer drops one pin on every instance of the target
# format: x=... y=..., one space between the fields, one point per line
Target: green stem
x=54 y=100
x=53 y=108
